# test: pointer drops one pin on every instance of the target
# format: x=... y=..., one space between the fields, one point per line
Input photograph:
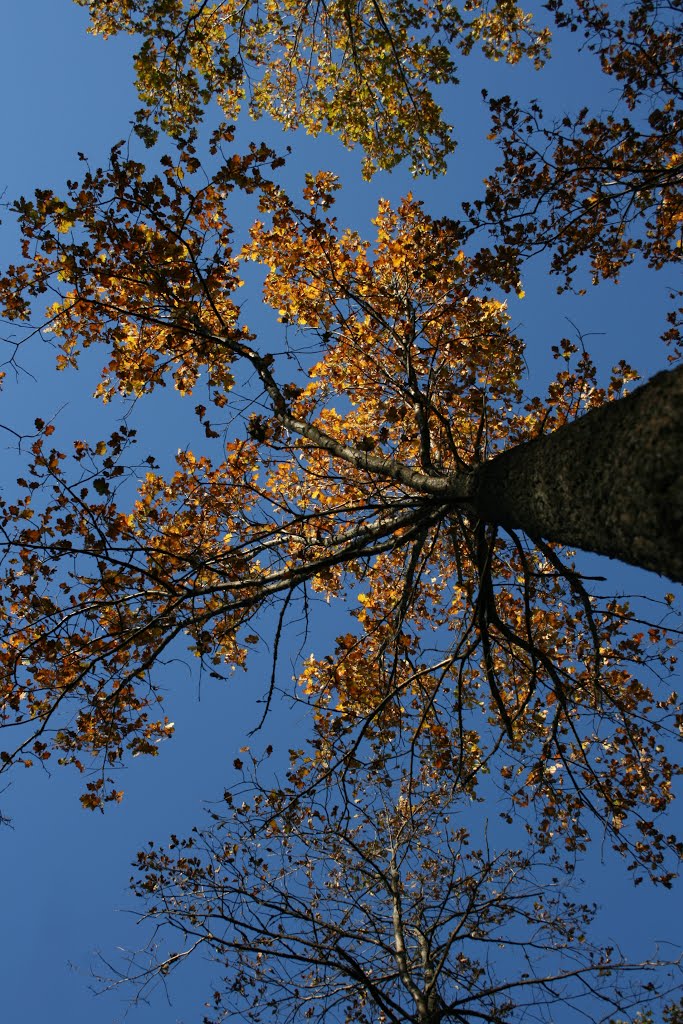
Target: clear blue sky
x=64 y=870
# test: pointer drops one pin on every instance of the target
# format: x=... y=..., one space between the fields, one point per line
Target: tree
x=367 y=900
x=302 y=498
x=608 y=482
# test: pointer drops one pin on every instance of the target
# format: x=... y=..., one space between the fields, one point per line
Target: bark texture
x=610 y=482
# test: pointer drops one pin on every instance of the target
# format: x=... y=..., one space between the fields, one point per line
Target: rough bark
x=610 y=482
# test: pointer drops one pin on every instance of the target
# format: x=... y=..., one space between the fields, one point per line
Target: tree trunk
x=610 y=482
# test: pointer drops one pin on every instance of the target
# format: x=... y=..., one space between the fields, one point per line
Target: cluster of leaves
x=364 y=71
x=671 y=1014
x=602 y=185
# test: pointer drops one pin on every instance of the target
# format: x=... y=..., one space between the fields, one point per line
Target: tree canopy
x=365 y=71
x=377 y=449
x=373 y=902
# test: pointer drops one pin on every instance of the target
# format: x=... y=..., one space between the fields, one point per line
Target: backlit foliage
x=363 y=70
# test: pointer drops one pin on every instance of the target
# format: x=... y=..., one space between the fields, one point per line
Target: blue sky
x=65 y=871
